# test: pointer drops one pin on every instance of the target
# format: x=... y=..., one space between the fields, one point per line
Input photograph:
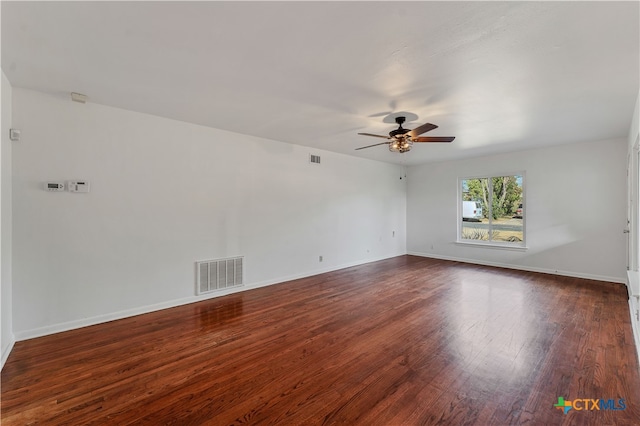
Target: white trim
x=524 y=268
x=6 y=351
x=98 y=319
x=633 y=283
x=633 y=287
x=635 y=327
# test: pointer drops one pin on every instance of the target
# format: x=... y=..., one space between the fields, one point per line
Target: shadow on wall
x=558 y=245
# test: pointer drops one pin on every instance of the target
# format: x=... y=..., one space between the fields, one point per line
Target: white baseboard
x=633 y=284
x=635 y=326
x=85 y=322
x=620 y=280
x=6 y=351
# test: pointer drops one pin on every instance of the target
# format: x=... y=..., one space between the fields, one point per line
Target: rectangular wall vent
x=218 y=274
x=314 y=159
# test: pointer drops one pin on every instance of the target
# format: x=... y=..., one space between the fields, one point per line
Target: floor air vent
x=214 y=275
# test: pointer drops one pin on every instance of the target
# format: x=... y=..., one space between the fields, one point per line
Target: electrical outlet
x=393 y=234
x=320 y=259
x=14 y=135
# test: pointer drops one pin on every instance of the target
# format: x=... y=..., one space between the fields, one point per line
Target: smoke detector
x=78 y=97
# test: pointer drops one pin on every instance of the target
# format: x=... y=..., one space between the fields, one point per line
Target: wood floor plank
x=402 y=341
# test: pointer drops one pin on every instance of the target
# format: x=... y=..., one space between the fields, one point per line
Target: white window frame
x=521 y=245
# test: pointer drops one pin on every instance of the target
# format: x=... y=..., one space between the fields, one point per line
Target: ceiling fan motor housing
x=400 y=130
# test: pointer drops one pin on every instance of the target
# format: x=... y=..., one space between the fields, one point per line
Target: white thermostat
x=78 y=186
x=54 y=186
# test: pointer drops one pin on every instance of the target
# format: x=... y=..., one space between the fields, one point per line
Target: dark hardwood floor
x=405 y=341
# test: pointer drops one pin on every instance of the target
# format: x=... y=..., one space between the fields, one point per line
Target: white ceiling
x=500 y=76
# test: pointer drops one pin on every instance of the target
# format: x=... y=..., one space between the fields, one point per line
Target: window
x=492 y=210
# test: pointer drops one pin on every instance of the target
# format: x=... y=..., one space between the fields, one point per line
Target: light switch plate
x=78 y=186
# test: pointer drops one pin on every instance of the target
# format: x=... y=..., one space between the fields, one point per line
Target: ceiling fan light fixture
x=400 y=145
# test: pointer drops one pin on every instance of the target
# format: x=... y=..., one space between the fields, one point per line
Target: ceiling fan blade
x=434 y=139
x=369 y=146
x=375 y=136
x=422 y=129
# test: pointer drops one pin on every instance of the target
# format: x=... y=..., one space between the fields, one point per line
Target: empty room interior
x=376 y=213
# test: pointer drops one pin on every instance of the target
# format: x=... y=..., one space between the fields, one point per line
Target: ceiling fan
x=401 y=139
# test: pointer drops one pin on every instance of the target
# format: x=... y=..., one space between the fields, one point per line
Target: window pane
x=506 y=209
x=475 y=198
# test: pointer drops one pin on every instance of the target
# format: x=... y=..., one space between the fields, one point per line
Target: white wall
x=165 y=194
x=575 y=209
x=6 y=312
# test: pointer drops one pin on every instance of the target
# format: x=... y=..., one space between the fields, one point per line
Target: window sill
x=493 y=246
